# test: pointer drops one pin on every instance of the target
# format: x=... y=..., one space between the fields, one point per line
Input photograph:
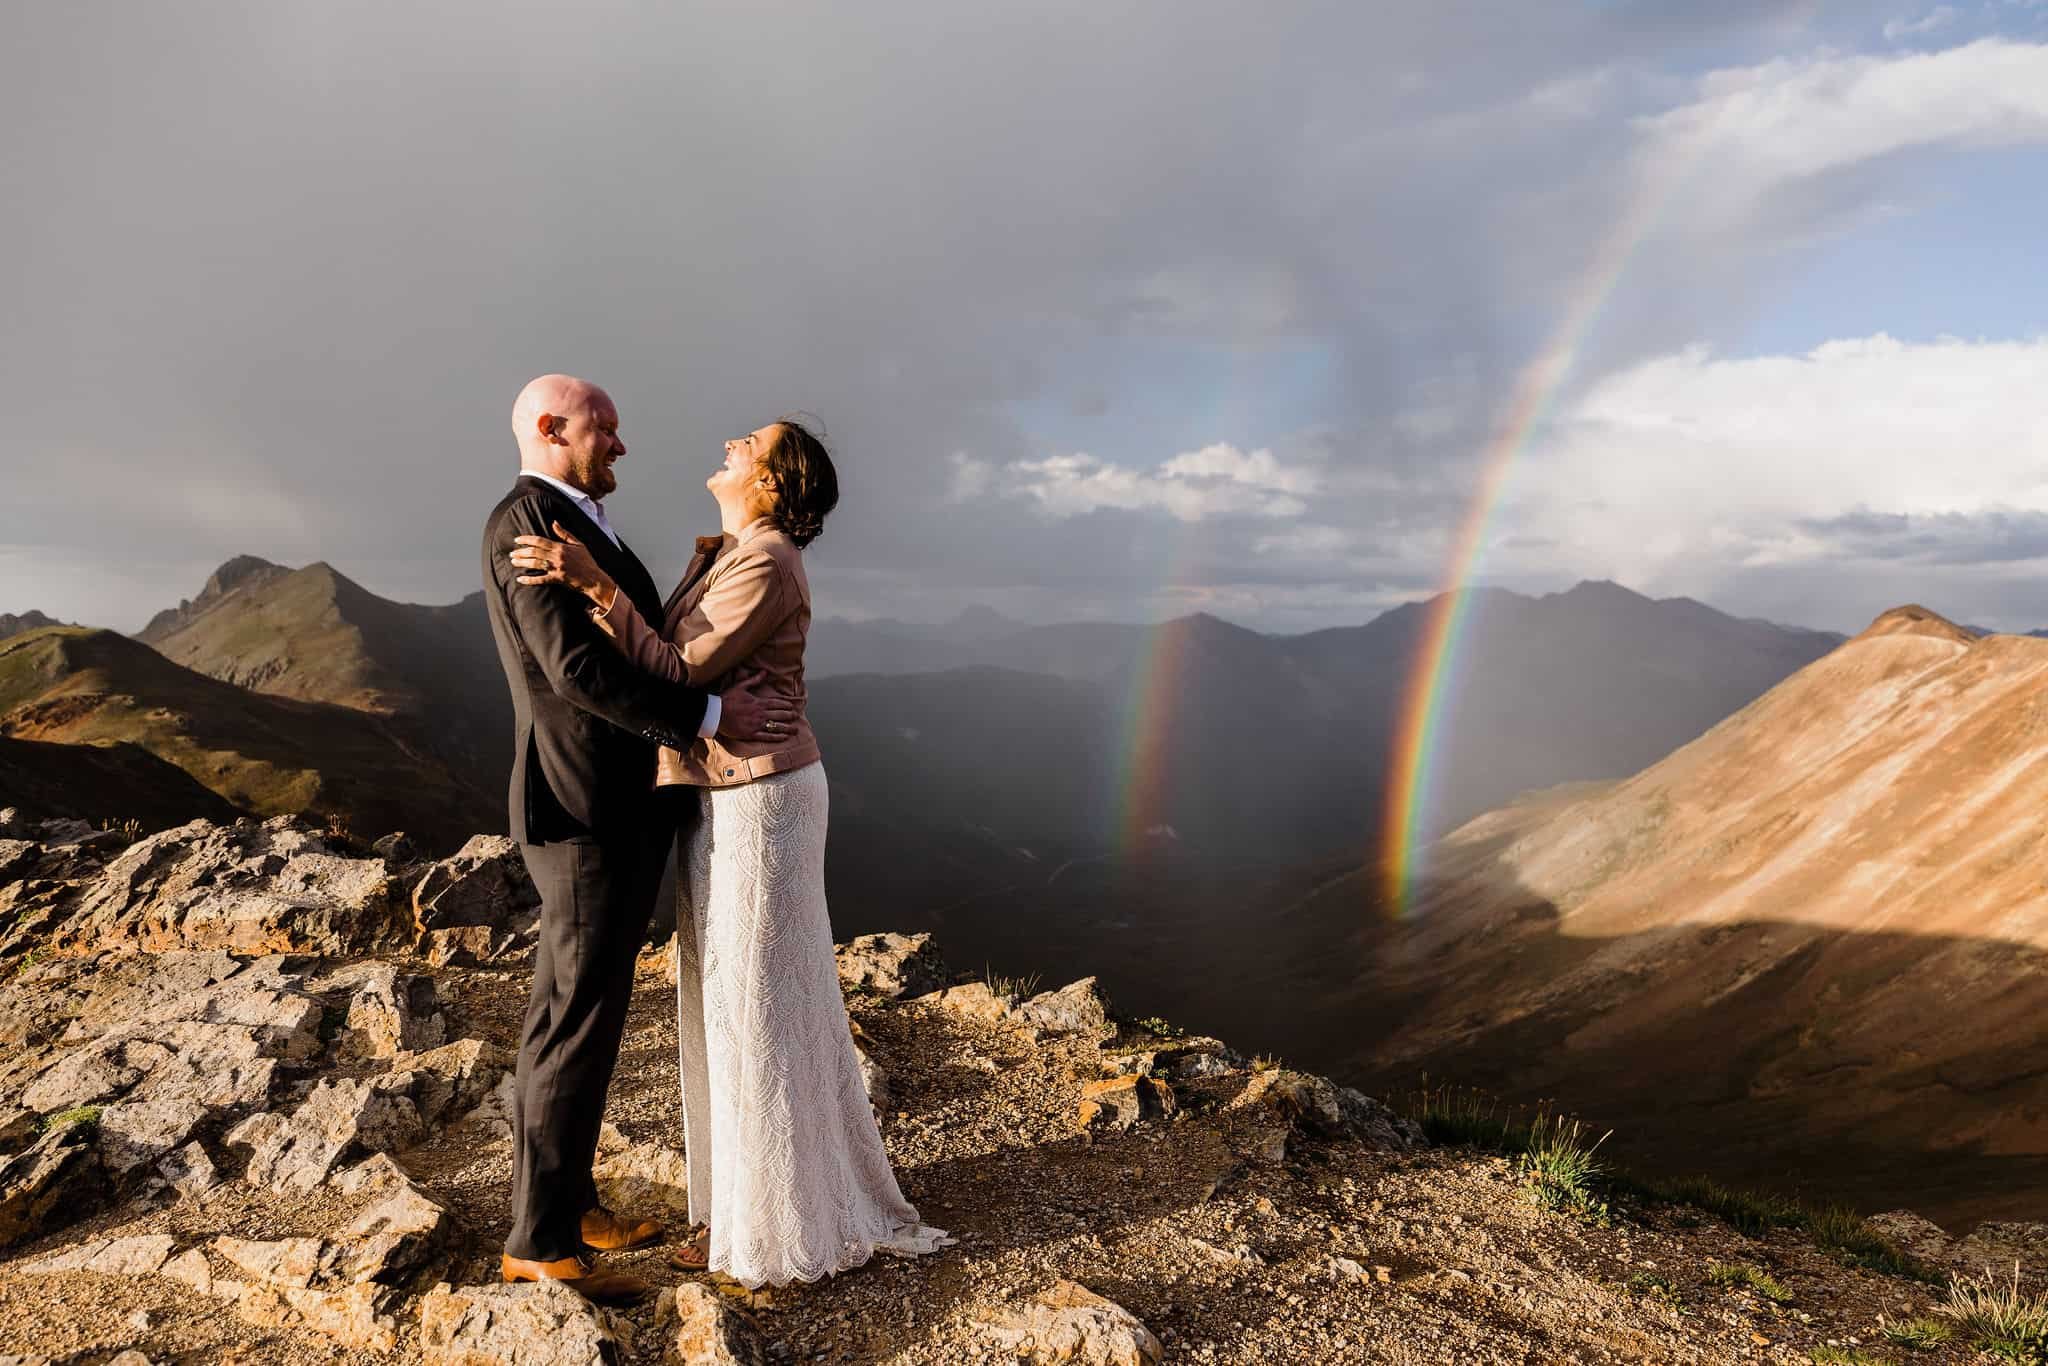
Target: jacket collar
x=712 y=545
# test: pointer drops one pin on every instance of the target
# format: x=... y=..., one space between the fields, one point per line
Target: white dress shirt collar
x=592 y=509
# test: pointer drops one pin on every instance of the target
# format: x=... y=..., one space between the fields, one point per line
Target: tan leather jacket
x=740 y=613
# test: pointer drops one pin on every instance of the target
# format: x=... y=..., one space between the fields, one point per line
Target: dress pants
x=596 y=896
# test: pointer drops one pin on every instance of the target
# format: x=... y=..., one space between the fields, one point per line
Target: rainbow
x=1150 y=705
x=1433 y=666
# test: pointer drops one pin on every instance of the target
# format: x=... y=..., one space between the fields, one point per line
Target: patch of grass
x=1465 y=1117
x=1999 y=1318
x=1920 y=1334
x=1751 y=1277
x=1266 y=1062
x=1649 y=1285
x=1846 y=1356
x=87 y=1116
x=1562 y=1166
x=1159 y=1028
x=1752 y=1213
x=1849 y=1236
x=1009 y=988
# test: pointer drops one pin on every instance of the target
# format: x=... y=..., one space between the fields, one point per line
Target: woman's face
x=739 y=476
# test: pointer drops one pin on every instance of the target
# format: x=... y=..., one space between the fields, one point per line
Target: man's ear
x=549 y=424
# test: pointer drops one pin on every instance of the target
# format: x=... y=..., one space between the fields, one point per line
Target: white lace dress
x=785 y=1161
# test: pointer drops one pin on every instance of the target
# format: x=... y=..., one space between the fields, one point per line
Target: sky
x=1117 y=312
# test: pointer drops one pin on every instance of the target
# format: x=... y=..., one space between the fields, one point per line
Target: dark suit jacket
x=586 y=722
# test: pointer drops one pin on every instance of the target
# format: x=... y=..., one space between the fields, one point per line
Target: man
x=591 y=827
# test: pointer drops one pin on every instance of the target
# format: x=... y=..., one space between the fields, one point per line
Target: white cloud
x=1217 y=481
x=1756 y=127
x=1940 y=17
x=1677 y=471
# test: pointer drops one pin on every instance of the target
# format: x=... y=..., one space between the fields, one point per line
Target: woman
x=786 y=1163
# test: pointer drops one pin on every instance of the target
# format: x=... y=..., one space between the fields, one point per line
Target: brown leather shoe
x=580 y=1274
x=608 y=1232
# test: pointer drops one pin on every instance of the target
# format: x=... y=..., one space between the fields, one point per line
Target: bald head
x=567 y=428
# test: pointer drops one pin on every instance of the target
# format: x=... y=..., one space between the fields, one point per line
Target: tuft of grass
x=1009 y=988
x=1999 y=1318
x=1849 y=1236
x=1465 y=1117
x=1752 y=1277
x=1266 y=1062
x=1920 y=1334
x=1828 y=1355
x=87 y=1116
x=1159 y=1028
x=1562 y=1166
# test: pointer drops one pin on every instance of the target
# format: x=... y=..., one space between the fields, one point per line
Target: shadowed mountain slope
x=316 y=635
x=266 y=755
x=1819 y=930
x=116 y=782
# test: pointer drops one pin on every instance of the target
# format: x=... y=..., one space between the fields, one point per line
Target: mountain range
x=1076 y=740
x=1702 y=874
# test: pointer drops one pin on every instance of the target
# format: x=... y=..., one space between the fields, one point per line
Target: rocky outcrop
x=1320 y=1107
x=252 y=887
x=312 y=1149
x=60 y=1171
x=891 y=965
x=477 y=907
x=1076 y=1008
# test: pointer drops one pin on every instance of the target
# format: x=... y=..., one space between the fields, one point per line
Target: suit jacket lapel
x=617 y=561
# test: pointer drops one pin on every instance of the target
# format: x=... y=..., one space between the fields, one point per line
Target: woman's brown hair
x=806 y=484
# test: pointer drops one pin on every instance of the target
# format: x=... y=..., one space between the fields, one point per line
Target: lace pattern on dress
x=786 y=1163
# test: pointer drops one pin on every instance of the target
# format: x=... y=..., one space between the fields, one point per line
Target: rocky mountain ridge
x=1735 y=949
x=253 y=1108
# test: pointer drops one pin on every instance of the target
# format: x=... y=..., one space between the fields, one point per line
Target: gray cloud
x=289 y=263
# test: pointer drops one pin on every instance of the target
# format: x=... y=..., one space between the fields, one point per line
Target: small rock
x=707 y=1331
x=337 y=1120
x=138 y=1134
x=1344 y=1269
x=542 y=1324
x=361 y=1316
x=1076 y=1008
x=972 y=999
x=1323 y=1108
x=389 y=1012
x=55 y=1181
x=891 y=965
x=189 y=1171
x=1121 y=1102
x=1913 y=1235
x=485 y=887
x=1071 y=1323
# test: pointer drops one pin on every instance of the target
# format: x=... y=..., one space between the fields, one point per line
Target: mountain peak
x=12 y=624
x=1912 y=619
x=1603 y=590
x=240 y=570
